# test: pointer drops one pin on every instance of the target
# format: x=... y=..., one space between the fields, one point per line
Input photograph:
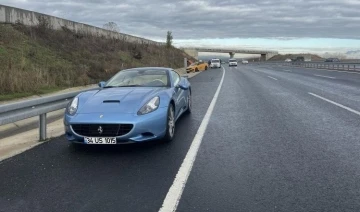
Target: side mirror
x=101 y=84
x=183 y=84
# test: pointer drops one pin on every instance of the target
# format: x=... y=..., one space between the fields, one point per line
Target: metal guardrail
x=321 y=65
x=10 y=113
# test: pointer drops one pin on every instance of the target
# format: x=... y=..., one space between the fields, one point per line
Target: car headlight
x=150 y=106
x=72 y=108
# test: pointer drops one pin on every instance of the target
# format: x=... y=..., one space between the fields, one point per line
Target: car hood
x=116 y=100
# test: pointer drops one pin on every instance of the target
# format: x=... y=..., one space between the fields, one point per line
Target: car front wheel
x=170 y=124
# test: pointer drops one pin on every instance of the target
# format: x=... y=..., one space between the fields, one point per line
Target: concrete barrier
x=12 y=15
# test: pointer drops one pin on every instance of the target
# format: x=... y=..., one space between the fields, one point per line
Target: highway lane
x=270 y=146
x=52 y=177
x=342 y=87
x=347 y=77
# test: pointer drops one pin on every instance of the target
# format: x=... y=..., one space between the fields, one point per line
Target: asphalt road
x=279 y=139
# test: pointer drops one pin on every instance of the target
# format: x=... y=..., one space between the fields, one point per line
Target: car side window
x=175 y=77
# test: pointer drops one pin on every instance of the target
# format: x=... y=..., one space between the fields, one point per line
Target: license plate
x=100 y=140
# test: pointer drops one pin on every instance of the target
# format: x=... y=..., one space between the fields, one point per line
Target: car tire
x=196 y=70
x=206 y=68
x=189 y=106
x=170 y=127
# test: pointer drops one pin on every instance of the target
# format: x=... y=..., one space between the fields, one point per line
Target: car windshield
x=139 y=78
x=215 y=61
x=232 y=60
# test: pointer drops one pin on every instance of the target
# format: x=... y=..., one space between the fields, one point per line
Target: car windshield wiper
x=118 y=86
x=129 y=86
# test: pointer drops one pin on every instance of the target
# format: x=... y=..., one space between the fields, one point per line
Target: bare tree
x=111 y=26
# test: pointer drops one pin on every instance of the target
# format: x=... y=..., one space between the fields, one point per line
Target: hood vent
x=111 y=101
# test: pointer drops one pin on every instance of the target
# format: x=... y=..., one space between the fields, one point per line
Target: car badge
x=100 y=130
x=101 y=116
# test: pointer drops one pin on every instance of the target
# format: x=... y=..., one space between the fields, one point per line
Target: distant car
x=288 y=60
x=332 y=60
x=196 y=67
x=233 y=62
x=215 y=63
x=244 y=62
x=134 y=106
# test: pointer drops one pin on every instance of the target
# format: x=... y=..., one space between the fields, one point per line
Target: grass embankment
x=38 y=60
x=283 y=57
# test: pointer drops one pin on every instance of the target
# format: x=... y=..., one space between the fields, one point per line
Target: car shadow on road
x=157 y=145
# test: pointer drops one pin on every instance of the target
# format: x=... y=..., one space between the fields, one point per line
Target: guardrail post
x=42 y=127
x=354 y=68
x=343 y=67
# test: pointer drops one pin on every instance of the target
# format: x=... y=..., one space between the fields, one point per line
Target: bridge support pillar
x=263 y=57
x=231 y=54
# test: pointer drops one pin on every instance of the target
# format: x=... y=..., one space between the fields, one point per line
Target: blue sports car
x=135 y=105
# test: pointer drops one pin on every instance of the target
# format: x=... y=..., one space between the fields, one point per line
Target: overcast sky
x=284 y=25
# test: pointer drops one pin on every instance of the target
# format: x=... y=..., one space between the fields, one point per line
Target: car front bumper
x=151 y=126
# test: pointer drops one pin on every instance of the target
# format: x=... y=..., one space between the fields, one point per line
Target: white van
x=232 y=62
x=215 y=63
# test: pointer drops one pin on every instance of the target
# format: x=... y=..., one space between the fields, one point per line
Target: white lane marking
x=173 y=196
x=272 y=78
x=288 y=70
x=254 y=71
x=335 y=103
x=324 y=76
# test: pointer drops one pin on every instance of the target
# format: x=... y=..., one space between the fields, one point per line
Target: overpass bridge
x=265 y=55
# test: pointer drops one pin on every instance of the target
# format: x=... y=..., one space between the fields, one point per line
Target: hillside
x=281 y=57
x=38 y=59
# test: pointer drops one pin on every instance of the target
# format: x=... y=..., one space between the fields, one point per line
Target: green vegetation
x=36 y=60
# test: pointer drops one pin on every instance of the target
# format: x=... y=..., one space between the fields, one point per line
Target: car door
x=178 y=95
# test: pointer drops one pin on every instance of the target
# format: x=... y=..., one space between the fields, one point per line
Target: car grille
x=102 y=130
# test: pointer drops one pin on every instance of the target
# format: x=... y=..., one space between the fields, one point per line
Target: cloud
x=212 y=19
